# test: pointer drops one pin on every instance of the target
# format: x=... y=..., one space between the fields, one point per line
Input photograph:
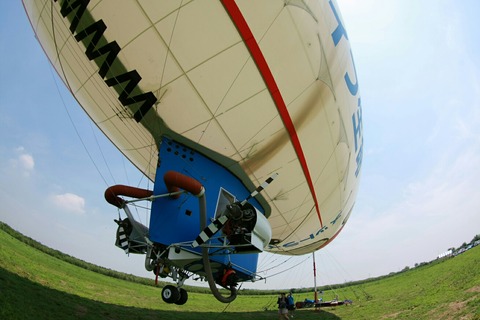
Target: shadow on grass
x=21 y=298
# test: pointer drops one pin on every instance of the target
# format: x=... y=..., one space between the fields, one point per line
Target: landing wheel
x=183 y=296
x=170 y=294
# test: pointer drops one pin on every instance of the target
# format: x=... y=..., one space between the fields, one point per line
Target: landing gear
x=183 y=297
x=172 y=294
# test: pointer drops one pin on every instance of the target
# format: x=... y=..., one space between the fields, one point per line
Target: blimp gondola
x=245 y=115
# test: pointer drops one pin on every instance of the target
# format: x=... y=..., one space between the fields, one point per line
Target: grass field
x=35 y=285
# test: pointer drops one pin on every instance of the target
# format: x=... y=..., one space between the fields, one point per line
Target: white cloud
x=361 y=30
x=27 y=162
x=23 y=162
x=70 y=202
x=425 y=215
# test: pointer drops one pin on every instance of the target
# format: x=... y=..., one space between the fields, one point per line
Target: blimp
x=245 y=115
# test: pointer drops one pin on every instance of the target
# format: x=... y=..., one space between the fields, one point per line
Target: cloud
x=426 y=215
x=23 y=162
x=70 y=202
x=27 y=162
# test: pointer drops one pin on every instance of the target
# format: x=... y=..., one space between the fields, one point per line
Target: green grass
x=35 y=285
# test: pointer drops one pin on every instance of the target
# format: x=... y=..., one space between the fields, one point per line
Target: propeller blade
x=260 y=188
x=210 y=230
x=123 y=240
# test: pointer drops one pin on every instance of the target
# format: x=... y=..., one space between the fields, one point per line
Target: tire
x=183 y=297
x=170 y=294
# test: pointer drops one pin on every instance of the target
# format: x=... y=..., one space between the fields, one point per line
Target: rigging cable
x=71 y=91
x=278 y=265
x=101 y=152
x=280 y=272
x=70 y=116
x=360 y=286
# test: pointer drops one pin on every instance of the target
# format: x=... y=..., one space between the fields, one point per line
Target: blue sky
x=418 y=64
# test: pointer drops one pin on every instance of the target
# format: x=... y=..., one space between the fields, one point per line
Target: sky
x=418 y=67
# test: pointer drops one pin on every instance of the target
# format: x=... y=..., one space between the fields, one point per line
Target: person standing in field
x=290 y=304
x=282 y=307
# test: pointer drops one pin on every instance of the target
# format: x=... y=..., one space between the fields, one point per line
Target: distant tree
x=406 y=268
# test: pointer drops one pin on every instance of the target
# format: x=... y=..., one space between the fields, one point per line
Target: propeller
x=235 y=211
x=122 y=237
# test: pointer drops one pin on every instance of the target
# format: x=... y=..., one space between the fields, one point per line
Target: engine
x=247 y=229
